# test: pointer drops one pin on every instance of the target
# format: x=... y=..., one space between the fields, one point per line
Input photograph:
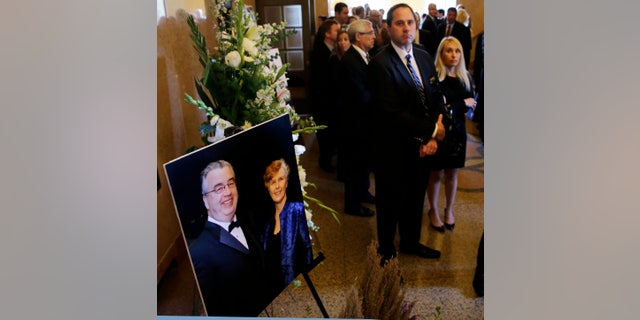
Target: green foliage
x=245 y=89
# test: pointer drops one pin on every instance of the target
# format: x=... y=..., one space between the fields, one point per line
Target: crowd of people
x=395 y=106
x=394 y=92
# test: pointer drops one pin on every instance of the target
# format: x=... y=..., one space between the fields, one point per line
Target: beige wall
x=171 y=6
x=177 y=121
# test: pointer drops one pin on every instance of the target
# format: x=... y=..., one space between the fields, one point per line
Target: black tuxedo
x=231 y=278
x=355 y=119
x=401 y=122
x=463 y=34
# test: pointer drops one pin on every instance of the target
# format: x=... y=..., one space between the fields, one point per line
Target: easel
x=305 y=274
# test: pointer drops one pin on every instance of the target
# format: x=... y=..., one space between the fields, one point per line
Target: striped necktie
x=416 y=79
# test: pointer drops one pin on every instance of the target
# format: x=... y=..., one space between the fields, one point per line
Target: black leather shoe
x=439 y=229
x=361 y=212
x=386 y=258
x=421 y=251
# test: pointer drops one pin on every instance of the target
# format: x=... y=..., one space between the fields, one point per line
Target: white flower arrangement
x=245 y=86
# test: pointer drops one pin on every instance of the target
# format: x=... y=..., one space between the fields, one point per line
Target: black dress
x=452 y=150
x=274 y=268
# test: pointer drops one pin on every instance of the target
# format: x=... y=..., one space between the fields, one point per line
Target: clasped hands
x=430 y=148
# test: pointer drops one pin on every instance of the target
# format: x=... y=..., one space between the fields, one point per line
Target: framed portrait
x=251 y=180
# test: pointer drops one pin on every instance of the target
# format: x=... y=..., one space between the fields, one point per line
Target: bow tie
x=234 y=224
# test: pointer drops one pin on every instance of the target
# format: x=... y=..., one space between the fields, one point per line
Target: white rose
x=233 y=59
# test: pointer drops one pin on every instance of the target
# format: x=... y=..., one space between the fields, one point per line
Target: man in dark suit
x=341 y=10
x=403 y=82
x=458 y=30
x=355 y=118
x=322 y=89
x=429 y=30
x=227 y=258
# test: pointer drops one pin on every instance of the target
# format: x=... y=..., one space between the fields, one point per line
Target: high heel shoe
x=449 y=226
x=439 y=229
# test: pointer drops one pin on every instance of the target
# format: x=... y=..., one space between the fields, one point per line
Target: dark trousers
x=326 y=142
x=354 y=165
x=401 y=186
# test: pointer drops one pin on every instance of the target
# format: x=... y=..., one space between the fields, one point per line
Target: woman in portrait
x=456 y=85
x=286 y=237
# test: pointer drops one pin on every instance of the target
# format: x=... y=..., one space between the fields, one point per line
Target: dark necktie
x=448 y=30
x=234 y=224
x=416 y=80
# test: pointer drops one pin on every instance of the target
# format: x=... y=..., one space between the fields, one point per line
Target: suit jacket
x=463 y=34
x=295 y=242
x=231 y=278
x=429 y=34
x=402 y=123
x=320 y=85
x=400 y=118
x=355 y=103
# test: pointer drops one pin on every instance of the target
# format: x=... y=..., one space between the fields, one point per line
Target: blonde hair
x=273 y=168
x=460 y=70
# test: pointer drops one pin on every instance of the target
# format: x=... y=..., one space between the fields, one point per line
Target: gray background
x=78 y=174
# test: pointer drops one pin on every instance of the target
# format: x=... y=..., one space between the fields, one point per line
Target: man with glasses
x=227 y=258
x=355 y=119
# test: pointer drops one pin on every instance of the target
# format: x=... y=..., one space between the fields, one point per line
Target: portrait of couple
x=241 y=202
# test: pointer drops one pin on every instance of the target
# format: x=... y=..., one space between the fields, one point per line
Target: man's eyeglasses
x=370 y=32
x=218 y=188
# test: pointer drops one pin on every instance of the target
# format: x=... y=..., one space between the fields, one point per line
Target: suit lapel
x=425 y=71
x=226 y=238
x=356 y=55
x=422 y=68
x=400 y=67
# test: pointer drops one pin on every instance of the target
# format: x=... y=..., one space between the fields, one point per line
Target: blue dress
x=294 y=254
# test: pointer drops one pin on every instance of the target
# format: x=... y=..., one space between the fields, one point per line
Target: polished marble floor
x=445 y=283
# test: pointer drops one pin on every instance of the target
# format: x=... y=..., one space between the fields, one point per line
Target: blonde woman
x=456 y=85
x=286 y=237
